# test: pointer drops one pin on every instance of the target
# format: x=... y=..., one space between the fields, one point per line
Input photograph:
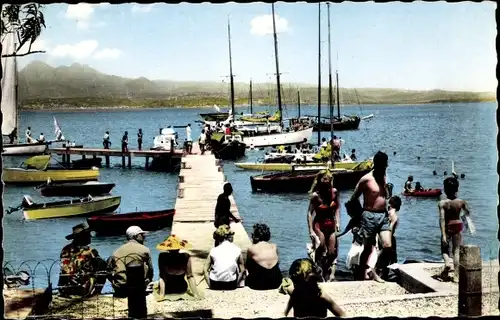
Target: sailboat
x=253 y=137
x=301 y=178
x=228 y=146
x=10 y=123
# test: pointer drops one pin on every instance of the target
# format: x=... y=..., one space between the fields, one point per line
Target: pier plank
x=201 y=181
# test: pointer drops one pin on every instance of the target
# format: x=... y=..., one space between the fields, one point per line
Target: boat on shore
x=93 y=188
x=117 y=224
x=429 y=193
x=39 y=169
x=300 y=181
x=67 y=208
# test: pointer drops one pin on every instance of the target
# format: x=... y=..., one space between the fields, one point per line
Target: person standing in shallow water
x=306 y=298
x=125 y=142
x=451 y=225
x=139 y=139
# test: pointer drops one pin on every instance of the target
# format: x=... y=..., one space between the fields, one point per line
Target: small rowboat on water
x=117 y=224
x=67 y=208
x=429 y=193
x=75 y=189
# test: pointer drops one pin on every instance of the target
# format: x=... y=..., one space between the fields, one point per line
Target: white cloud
x=82 y=13
x=142 y=7
x=107 y=53
x=84 y=50
x=263 y=25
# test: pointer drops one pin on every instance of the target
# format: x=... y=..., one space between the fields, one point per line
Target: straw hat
x=173 y=243
x=223 y=232
x=77 y=230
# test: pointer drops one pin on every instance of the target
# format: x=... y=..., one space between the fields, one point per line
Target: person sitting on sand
x=306 y=298
x=225 y=266
x=451 y=225
x=175 y=268
x=223 y=213
x=262 y=263
x=408 y=186
x=418 y=187
x=81 y=265
x=133 y=251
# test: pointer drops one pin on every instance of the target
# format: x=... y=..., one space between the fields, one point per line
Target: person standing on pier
x=189 y=139
x=451 y=225
x=202 y=140
x=125 y=142
x=223 y=213
x=105 y=140
x=139 y=139
x=375 y=218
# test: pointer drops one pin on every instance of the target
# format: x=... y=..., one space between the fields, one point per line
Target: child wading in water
x=451 y=225
x=307 y=299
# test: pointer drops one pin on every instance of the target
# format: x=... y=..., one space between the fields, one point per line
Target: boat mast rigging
x=319 y=74
x=278 y=83
x=230 y=68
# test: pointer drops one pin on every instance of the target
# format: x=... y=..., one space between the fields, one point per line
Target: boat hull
x=230 y=151
x=117 y=224
x=432 y=193
x=76 y=189
x=86 y=163
x=98 y=205
x=33 y=176
x=344 y=125
x=301 y=181
x=289 y=166
x=24 y=149
x=215 y=116
x=284 y=138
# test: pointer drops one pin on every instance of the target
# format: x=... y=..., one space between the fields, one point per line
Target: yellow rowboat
x=289 y=167
x=69 y=208
x=39 y=169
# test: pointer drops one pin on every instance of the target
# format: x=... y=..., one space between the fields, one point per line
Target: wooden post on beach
x=136 y=291
x=470 y=281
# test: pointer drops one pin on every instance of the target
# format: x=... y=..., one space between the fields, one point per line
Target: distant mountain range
x=79 y=86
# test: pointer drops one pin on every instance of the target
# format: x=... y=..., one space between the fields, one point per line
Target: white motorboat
x=166 y=140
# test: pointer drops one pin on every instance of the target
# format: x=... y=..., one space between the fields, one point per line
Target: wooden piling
x=107 y=161
x=136 y=291
x=129 y=161
x=123 y=161
x=470 y=281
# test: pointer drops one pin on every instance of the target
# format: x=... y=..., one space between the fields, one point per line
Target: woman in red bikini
x=323 y=221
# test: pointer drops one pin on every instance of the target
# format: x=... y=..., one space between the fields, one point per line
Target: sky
x=414 y=46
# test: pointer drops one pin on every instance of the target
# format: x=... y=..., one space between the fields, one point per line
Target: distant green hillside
x=79 y=86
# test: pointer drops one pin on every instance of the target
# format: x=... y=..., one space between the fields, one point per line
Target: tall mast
x=278 y=83
x=251 y=97
x=330 y=87
x=338 y=94
x=319 y=74
x=298 y=100
x=230 y=68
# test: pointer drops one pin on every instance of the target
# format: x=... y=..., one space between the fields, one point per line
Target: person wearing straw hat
x=175 y=268
x=134 y=251
x=225 y=266
x=81 y=265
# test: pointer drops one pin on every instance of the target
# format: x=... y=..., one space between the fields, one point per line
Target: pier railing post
x=136 y=291
x=470 y=281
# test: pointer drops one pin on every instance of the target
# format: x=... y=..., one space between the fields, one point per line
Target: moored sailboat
x=10 y=112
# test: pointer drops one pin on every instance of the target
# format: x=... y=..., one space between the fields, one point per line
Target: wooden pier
x=107 y=153
x=201 y=180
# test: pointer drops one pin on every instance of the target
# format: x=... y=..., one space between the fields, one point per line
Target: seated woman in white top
x=225 y=265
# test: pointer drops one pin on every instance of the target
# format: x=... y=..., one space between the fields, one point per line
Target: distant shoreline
x=137 y=108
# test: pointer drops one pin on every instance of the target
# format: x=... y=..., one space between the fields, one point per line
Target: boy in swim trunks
x=451 y=225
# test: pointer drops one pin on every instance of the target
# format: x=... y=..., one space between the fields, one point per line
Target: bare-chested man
x=451 y=225
x=374 y=219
